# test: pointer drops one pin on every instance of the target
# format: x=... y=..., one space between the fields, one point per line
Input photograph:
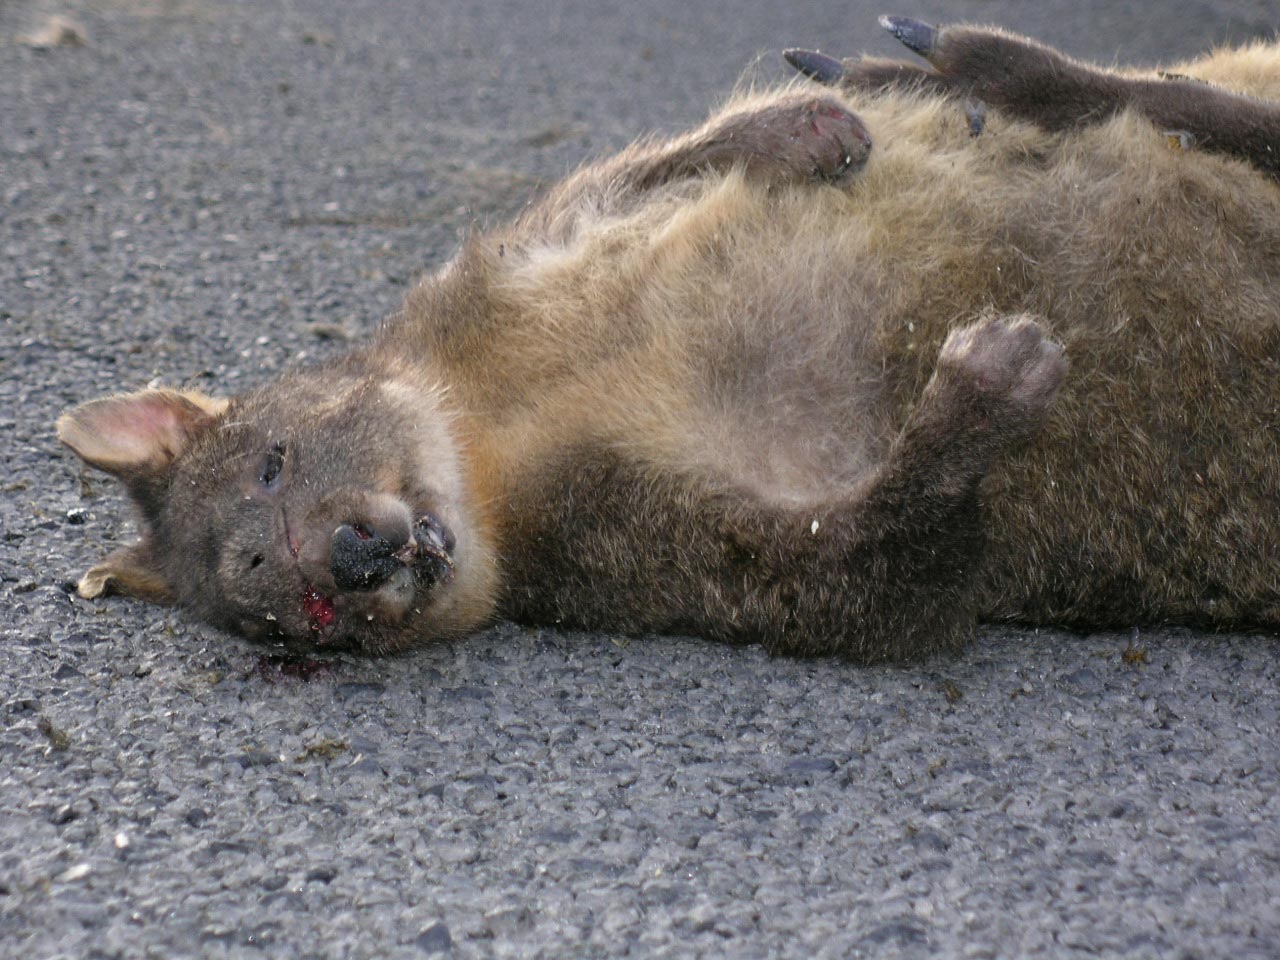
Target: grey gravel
x=207 y=192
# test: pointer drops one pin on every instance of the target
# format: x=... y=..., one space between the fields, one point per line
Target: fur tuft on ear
x=129 y=572
x=137 y=433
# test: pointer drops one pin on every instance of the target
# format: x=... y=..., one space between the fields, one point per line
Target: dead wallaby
x=769 y=383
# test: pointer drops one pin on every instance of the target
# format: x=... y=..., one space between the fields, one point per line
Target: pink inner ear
x=142 y=429
x=145 y=430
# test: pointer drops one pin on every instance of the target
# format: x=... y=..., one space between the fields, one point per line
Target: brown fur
x=699 y=389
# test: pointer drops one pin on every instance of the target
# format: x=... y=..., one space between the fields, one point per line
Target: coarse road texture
x=209 y=191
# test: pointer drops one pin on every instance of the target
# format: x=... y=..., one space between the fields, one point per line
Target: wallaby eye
x=273 y=466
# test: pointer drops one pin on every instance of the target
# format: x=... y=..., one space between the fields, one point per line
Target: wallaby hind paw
x=868 y=74
x=1012 y=73
x=977 y=64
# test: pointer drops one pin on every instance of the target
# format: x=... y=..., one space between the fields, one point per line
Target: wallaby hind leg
x=889 y=570
x=788 y=139
x=1037 y=83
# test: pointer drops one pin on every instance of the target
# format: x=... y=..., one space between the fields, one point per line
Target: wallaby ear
x=137 y=433
x=128 y=571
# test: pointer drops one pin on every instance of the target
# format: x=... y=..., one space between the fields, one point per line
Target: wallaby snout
x=375 y=536
x=362 y=558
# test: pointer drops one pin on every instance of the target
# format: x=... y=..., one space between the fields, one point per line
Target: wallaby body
x=767 y=382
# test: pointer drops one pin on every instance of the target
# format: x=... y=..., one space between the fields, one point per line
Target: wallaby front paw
x=799 y=138
x=1008 y=366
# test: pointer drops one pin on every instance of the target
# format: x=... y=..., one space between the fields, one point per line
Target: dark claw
x=816 y=66
x=914 y=34
x=1182 y=77
x=975 y=111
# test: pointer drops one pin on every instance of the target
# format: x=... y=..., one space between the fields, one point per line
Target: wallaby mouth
x=319 y=610
x=383 y=567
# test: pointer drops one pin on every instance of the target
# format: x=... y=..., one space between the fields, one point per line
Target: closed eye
x=273 y=466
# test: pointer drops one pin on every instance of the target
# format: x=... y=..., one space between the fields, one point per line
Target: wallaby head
x=324 y=509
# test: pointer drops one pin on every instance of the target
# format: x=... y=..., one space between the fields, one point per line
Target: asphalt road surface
x=208 y=192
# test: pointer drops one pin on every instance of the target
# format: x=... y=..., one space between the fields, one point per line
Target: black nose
x=361 y=558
